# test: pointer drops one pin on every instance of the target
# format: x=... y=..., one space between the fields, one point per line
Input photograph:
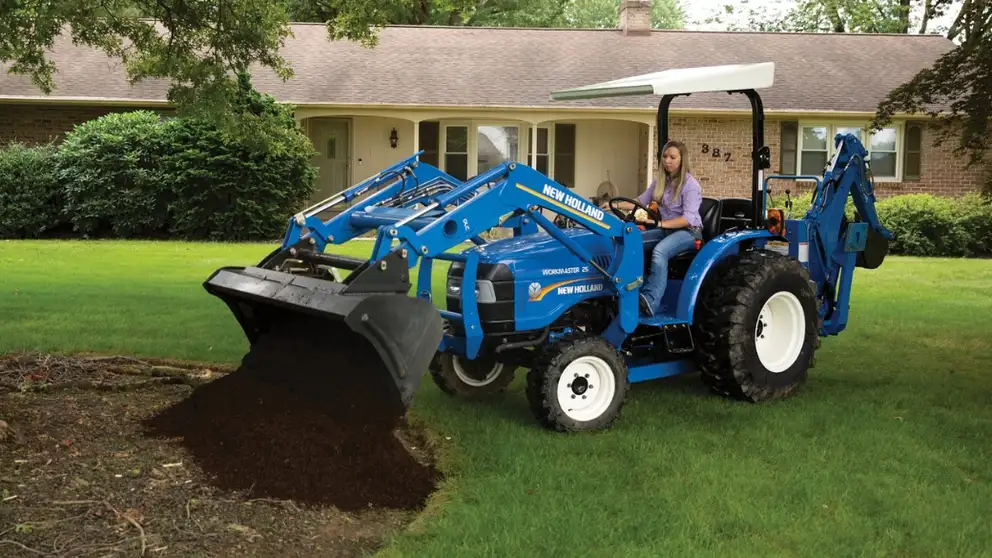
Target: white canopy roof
x=678 y=81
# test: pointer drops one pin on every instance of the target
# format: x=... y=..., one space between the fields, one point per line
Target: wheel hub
x=586 y=388
x=580 y=385
x=780 y=331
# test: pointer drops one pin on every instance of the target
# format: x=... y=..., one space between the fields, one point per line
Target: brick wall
x=32 y=124
x=635 y=17
x=941 y=172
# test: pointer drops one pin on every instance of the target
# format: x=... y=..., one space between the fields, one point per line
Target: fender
x=711 y=254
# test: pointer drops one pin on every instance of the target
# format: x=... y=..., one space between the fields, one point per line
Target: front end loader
x=745 y=309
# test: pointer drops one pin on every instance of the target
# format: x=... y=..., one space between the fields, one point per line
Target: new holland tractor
x=745 y=309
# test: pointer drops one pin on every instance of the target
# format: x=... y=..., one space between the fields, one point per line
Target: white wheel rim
x=586 y=388
x=779 y=332
x=469 y=380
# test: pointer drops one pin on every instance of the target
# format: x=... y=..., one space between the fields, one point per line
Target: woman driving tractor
x=680 y=225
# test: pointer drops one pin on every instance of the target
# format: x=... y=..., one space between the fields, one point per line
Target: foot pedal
x=678 y=338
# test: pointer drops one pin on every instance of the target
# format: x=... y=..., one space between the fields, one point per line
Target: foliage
x=493 y=13
x=924 y=224
x=132 y=174
x=111 y=178
x=199 y=46
x=237 y=187
x=956 y=90
x=30 y=201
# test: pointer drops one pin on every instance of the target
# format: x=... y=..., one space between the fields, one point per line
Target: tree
x=203 y=47
x=494 y=13
x=956 y=91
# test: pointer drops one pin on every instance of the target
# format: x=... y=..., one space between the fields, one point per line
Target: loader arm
x=836 y=246
x=516 y=193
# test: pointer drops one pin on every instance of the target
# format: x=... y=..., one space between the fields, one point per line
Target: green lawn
x=885 y=453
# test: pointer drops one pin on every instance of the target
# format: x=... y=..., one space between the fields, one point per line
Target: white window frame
x=523 y=144
x=832 y=128
x=469 y=146
x=550 y=129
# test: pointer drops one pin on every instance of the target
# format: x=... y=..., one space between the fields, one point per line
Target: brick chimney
x=635 y=17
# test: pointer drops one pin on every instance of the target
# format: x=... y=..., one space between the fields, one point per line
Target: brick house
x=472 y=97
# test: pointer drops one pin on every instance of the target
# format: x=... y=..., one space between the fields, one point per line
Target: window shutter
x=789 y=139
x=913 y=155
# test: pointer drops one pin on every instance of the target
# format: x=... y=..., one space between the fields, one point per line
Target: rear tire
x=757 y=327
x=578 y=383
x=459 y=376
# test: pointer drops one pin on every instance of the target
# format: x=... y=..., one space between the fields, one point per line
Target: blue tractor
x=745 y=309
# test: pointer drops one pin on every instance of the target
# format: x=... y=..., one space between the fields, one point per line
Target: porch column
x=416 y=136
x=533 y=145
x=652 y=132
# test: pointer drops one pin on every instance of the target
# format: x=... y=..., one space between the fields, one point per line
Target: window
x=815 y=146
x=495 y=145
x=543 y=155
x=882 y=152
x=813 y=149
x=456 y=151
x=467 y=149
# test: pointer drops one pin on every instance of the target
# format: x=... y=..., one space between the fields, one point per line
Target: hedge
x=113 y=179
x=30 y=197
x=133 y=175
x=924 y=224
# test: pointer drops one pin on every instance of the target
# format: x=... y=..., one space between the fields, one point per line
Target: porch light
x=393 y=138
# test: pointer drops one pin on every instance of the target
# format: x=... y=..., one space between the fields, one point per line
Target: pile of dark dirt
x=79 y=478
x=309 y=420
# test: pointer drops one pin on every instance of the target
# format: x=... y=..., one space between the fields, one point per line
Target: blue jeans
x=672 y=242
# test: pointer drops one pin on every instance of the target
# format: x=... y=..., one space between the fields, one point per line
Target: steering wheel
x=654 y=218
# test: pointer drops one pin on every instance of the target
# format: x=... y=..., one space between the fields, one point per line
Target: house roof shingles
x=520 y=67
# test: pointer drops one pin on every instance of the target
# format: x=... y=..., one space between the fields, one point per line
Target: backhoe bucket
x=367 y=315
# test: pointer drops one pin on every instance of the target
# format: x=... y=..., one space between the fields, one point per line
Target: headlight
x=484 y=290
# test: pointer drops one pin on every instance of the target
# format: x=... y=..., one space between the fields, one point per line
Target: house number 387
x=715 y=152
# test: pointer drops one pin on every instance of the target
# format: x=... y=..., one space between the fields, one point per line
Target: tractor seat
x=710 y=211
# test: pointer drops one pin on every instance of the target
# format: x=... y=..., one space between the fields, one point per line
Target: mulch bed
x=290 y=455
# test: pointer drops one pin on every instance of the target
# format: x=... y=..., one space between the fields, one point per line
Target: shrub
x=924 y=224
x=975 y=215
x=112 y=181
x=235 y=186
x=30 y=200
x=133 y=175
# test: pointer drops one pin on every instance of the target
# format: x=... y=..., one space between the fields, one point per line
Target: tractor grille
x=496 y=317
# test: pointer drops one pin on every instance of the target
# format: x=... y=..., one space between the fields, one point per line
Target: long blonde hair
x=678 y=178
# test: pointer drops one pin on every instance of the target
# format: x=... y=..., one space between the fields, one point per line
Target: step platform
x=678 y=333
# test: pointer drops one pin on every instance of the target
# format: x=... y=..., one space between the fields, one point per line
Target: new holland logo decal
x=535 y=293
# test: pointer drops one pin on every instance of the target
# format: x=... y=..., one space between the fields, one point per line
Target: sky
x=698 y=10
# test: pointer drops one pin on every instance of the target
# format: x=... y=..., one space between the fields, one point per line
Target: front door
x=330 y=140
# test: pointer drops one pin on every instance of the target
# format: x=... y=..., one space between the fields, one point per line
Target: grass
x=885 y=453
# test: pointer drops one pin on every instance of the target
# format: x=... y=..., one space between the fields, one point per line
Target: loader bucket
x=372 y=310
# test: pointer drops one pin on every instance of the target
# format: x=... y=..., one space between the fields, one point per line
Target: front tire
x=462 y=377
x=757 y=327
x=578 y=383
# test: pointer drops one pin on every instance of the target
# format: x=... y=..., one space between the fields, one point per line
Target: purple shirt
x=687 y=204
